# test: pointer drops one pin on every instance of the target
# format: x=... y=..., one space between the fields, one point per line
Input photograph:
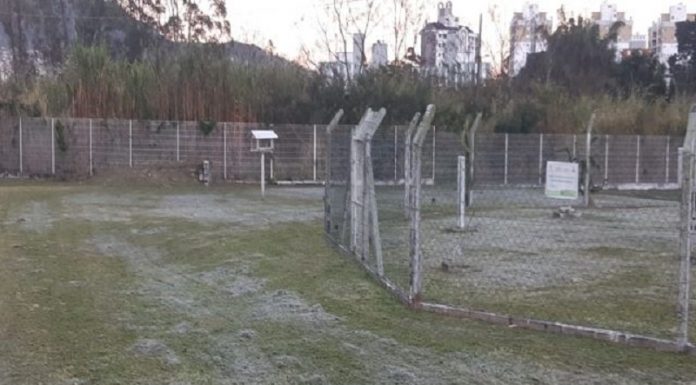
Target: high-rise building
x=527 y=35
x=380 y=54
x=606 y=18
x=449 y=49
x=662 y=37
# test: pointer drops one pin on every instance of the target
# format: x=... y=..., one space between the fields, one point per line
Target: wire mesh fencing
x=495 y=245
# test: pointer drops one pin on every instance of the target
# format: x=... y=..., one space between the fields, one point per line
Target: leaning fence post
x=686 y=211
x=53 y=146
x=91 y=154
x=21 y=149
x=416 y=264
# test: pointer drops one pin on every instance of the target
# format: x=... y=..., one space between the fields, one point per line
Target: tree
x=349 y=22
x=183 y=20
x=577 y=58
x=407 y=18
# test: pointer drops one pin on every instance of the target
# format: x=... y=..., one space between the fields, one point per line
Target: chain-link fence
x=76 y=148
x=500 y=249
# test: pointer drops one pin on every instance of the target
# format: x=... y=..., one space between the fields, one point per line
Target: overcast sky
x=290 y=24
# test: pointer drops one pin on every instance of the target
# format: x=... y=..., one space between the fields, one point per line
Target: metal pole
x=314 y=174
x=606 y=159
x=667 y=160
x=53 y=146
x=130 y=143
x=638 y=159
x=461 y=184
x=541 y=159
x=263 y=174
x=507 y=144
x=21 y=148
x=685 y=247
x=178 y=148
x=91 y=154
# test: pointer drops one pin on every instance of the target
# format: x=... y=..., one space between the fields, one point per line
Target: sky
x=293 y=24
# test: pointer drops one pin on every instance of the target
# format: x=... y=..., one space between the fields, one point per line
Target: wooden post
x=685 y=246
x=327 y=171
x=53 y=146
x=588 y=160
x=416 y=281
x=461 y=190
x=91 y=156
x=407 y=162
x=21 y=149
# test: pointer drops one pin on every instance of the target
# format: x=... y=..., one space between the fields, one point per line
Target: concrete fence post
x=396 y=155
x=606 y=158
x=667 y=149
x=416 y=257
x=178 y=147
x=575 y=146
x=91 y=152
x=637 y=159
x=541 y=159
x=461 y=190
x=21 y=149
x=53 y=146
x=686 y=216
x=314 y=152
x=408 y=157
x=130 y=143
x=507 y=148
x=434 y=147
x=224 y=151
x=588 y=160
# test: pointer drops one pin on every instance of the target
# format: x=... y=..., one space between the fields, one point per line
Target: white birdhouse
x=263 y=140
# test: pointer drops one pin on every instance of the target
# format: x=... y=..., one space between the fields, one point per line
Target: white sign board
x=562 y=180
